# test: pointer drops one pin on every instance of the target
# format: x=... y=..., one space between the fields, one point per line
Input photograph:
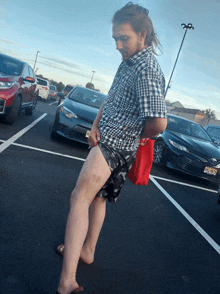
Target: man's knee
x=80 y=198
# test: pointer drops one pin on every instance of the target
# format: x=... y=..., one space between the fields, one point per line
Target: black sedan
x=187 y=147
x=75 y=115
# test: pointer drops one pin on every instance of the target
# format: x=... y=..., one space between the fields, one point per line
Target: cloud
x=61 y=61
x=12 y=43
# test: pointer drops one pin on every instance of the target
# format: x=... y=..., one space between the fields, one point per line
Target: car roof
x=42 y=79
x=16 y=59
x=90 y=90
x=183 y=118
x=213 y=126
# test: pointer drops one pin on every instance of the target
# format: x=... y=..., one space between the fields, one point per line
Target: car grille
x=194 y=167
x=2 y=105
x=187 y=164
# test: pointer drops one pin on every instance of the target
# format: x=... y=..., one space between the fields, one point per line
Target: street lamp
x=185 y=27
x=36 y=59
x=92 y=75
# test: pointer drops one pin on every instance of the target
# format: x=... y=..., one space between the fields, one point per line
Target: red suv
x=17 y=88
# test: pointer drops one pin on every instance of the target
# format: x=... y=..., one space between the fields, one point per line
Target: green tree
x=90 y=86
x=210 y=113
x=60 y=87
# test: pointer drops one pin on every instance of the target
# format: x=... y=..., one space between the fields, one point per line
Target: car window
x=214 y=132
x=189 y=128
x=41 y=82
x=31 y=72
x=87 y=97
x=25 y=72
x=52 y=87
x=68 y=88
x=10 y=66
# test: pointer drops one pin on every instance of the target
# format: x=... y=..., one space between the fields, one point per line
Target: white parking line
x=53 y=103
x=187 y=216
x=184 y=184
x=10 y=141
x=81 y=159
x=152 y=178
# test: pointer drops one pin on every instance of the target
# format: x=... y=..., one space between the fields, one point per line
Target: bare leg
x=96 y=219
x=93 y=176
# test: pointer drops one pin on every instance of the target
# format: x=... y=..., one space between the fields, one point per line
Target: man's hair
x=138 y=17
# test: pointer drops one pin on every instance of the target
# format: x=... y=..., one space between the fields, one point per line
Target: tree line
x=60 y=86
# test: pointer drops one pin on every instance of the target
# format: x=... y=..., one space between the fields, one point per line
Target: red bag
x=140 y=170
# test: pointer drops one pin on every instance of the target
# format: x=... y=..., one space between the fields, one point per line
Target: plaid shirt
x=137 y=92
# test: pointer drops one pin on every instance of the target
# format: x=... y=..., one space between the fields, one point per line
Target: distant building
x=173 y=105
x=191 y=114
x=213 y=122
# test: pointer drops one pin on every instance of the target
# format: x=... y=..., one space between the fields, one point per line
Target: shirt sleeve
x=150 y=90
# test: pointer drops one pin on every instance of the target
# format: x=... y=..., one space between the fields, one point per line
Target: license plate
x=87 y=134
x=210 y=171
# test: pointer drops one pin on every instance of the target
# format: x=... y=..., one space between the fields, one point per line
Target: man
x=134 y=109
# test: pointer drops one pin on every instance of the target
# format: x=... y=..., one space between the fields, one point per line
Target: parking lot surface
x=160 y=238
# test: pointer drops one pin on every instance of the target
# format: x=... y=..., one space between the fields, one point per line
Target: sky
x=75 y=41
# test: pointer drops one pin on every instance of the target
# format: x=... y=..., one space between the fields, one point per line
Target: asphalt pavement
x=157 y=239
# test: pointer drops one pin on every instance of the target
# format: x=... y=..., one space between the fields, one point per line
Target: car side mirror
x=29 y=79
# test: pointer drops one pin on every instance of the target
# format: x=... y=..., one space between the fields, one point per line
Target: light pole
x=185 y=27
x=36 y=59
x=92 y=75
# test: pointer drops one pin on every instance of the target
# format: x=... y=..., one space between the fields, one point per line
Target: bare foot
x=86 y=255
x=69 y=288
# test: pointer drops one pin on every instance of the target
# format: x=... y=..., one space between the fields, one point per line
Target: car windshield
x=68 y=88
x=10 y=66
x=94 y=99
x=186 y=127
x=52 y=87
x=42 y=82
x=214 y=132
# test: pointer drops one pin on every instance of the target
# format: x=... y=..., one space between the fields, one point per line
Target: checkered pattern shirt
x=137 y=92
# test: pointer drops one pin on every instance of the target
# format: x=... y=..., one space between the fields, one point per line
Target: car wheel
x=11 y=117
x=158 y=152
x=29 y=111
x=53 y=134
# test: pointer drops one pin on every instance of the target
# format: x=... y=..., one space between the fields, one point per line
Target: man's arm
x=94 y=136
x=153 y=127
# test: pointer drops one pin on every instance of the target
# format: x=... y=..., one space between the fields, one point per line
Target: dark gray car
x=75 y=115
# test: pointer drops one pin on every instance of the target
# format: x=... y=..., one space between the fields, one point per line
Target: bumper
x=2 y=106
x=73 y=129
x=189 y=164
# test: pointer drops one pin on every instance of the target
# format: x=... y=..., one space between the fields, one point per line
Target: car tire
x=11 y=117
x=29 y=111
x=53 y=134
x=158 y=153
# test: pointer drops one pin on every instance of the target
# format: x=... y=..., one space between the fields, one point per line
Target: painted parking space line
x=10 y=141
x=184 y=184
x=46 y=151
x=53 y=103
x=187 y=216
x=152 y=178
x=81 y=159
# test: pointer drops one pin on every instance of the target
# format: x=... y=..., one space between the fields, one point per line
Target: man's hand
x=94 y=136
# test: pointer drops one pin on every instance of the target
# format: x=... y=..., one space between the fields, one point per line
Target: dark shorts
x=119 y=162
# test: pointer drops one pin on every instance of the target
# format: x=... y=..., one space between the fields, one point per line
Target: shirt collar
x=135 y=58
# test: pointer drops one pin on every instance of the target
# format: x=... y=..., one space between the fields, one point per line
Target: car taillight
x=44 y=88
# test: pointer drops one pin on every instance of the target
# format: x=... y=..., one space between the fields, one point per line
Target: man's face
x=128 y=42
